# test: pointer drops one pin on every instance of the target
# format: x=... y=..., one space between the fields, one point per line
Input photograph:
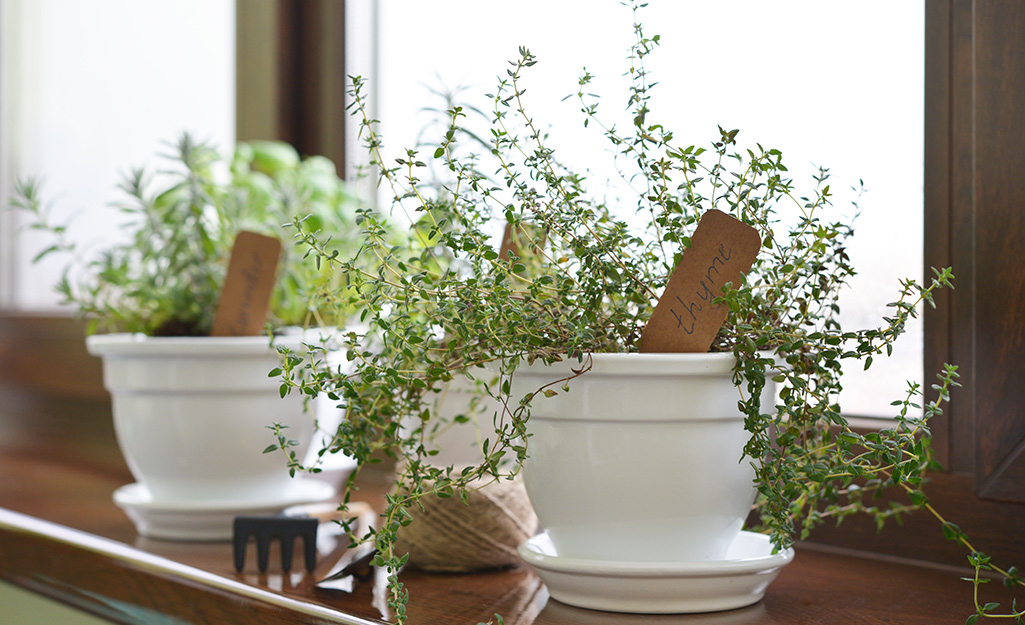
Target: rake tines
x=265 y=529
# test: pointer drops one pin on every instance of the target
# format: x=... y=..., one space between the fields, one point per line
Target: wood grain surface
x=74 y=545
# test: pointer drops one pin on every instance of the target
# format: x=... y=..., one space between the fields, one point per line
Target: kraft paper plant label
x=518 y=241
x=252 y=270
x=722 y=250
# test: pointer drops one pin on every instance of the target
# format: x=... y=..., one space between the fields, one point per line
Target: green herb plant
x=584 y=280
x=165 y=276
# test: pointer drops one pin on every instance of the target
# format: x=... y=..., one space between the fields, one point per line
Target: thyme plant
x=165 y=276
x=583 y=280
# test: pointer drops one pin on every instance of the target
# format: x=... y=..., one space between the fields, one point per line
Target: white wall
x=91 y=89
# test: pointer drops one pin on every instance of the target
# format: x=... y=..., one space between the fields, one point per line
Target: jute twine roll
x=451 y=536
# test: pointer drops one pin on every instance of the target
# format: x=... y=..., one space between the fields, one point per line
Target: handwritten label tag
x=521 y=240
x=722 y=250
x=252 y=271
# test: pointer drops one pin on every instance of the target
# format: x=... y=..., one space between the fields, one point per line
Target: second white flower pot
x=191 y=415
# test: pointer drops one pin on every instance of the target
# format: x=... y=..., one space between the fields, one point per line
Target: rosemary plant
x=165 y=276
x=582 y=279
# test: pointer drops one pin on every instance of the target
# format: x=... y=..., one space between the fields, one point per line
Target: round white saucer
x=207 y=520
x=659 y=587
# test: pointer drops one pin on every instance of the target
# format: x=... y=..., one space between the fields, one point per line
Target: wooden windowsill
x=62 y=536
x=60 y=464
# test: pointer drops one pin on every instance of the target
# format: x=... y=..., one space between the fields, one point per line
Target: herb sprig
x=164 y=276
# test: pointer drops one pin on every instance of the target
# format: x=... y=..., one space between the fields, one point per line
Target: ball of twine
x=483 y=533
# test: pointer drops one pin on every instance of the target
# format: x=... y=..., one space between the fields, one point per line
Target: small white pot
x=191 y=414
x=642 y=460
x=454 y=443
x=335 y=468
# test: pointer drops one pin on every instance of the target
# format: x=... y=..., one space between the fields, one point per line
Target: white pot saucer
x=207 y=520
x=659 y=587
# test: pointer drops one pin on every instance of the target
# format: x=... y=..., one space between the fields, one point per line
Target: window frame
x=961 y=100
x=974 y=156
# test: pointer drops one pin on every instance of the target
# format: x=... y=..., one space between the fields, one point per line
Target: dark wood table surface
x=62 y=536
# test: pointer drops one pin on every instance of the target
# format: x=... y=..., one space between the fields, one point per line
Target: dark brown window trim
x=292 y=79
x=974 y=218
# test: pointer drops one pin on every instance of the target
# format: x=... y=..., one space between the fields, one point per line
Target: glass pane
x=833 y=84
x=91 y=90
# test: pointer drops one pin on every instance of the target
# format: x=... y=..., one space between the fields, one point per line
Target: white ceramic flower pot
x=642 y=460
x=335 y=468
x=457 y=443
x=191 y=415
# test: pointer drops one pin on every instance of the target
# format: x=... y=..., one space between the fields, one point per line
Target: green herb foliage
x=449 y=305
x=164 y=276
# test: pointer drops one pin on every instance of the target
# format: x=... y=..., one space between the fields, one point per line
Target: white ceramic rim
x=125 y=344
x=535 y=555
x=642 y=364
x=305 y=490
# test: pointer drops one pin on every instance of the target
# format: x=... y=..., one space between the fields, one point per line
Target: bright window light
x=838 y=85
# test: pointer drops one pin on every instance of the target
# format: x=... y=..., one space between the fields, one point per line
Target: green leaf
x=917 y=497
x=49 y=250
x=951 y=531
